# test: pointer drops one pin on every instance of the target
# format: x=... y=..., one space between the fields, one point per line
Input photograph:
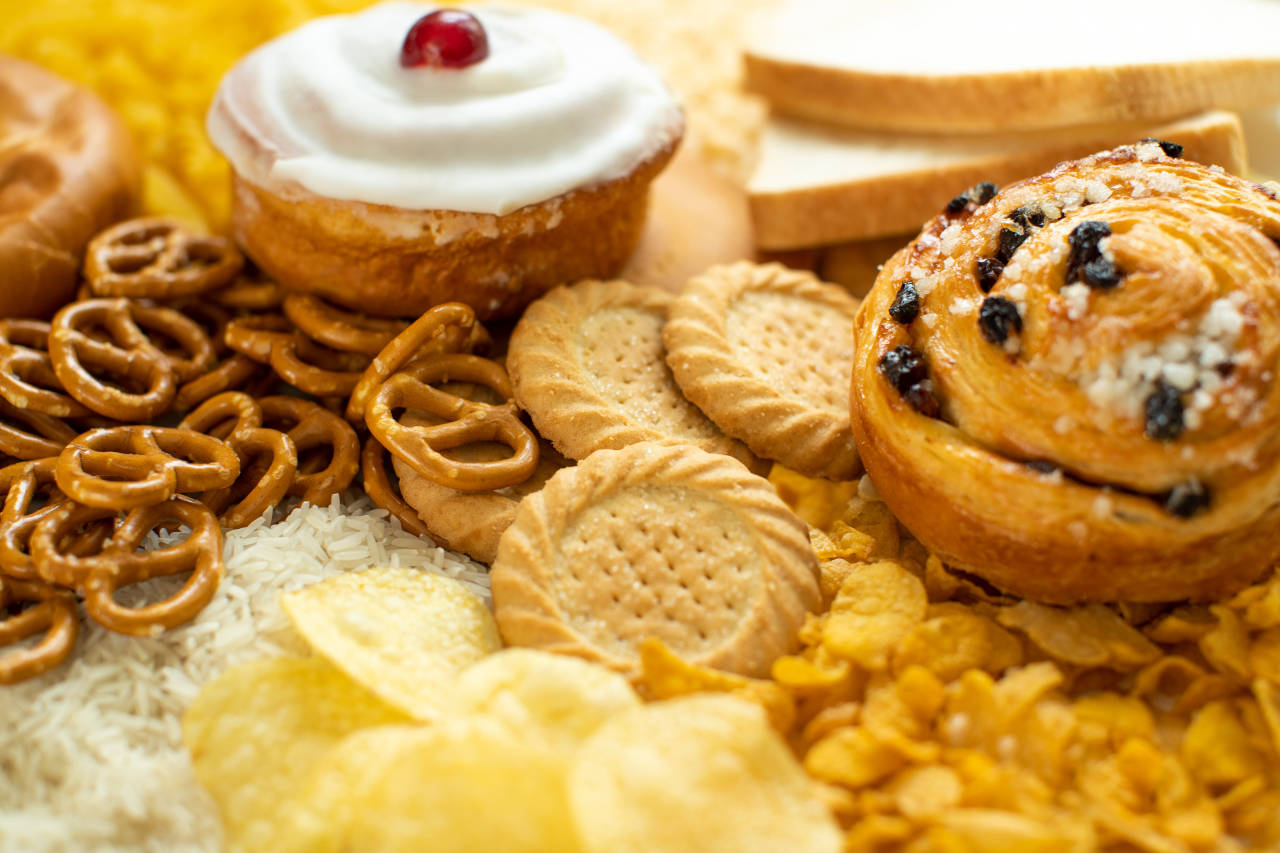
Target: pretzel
x=21 y=483
x=259 y=487
x=119 y=565
x=145 y=465
x=127 y=354
x=378 y=486
x=232 y=373
x=450 y=327
x=335 y=450
x=335 y=327
x=61 y=538
x=225 y=414
x=27 y=379
x=54 y=615
x=158 y=258
x=31 y=435
x=298 y=360
x=465 y=422
x=252 y=291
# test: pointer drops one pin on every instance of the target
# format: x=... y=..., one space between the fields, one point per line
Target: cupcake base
x=397 y=262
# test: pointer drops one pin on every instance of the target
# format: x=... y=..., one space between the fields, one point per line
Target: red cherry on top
x=446 y=38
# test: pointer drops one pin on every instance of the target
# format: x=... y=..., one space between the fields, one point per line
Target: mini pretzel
x=258 y=487
x=60 y=541
x=27 y=379
x=465 y=422
x=335 y=327
x=54 y=615
x=145 y=465
x=225 y=414
x=21 y=483
x=380 y=489
x=298 y=360
x=119 y=565
x=158 y=258
x=252 y=291
x=31 y=435
x=129 y=354
x=232 y=373
x=334 y=455
x=450 y=327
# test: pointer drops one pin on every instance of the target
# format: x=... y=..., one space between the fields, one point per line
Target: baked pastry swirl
x=1068 y=388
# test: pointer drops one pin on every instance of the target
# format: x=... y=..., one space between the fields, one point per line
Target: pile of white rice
x=91 y=754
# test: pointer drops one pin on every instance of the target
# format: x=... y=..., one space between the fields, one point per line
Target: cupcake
x=402 y=157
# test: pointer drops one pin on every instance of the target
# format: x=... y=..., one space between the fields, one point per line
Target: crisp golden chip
x=698 y=774
x=1090 y=636
x=402 y=633
x=665 y=675
x=257 y=729
x=878 y=605
x=461 y=785
x=560 y=698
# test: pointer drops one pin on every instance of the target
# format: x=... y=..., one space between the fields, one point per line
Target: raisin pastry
x=1068 y=388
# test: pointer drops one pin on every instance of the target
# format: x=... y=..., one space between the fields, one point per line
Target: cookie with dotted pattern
x=767 y=353
x=656 y=540
x=587 y=364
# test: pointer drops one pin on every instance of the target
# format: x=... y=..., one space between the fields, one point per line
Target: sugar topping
x=1076 y=298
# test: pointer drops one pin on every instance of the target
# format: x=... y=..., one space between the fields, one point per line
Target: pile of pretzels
x=183 y=389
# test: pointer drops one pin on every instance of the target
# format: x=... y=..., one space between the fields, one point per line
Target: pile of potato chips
x=409 y=731
x=930 y=712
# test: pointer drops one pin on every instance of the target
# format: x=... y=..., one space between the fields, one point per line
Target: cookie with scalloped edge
x=587 y=363
x=656 y=540
x=767 y=353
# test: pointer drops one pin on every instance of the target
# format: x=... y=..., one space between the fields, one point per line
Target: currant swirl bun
x=1068 y=388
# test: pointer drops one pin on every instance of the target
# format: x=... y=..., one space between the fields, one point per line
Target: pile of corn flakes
x=944 y=716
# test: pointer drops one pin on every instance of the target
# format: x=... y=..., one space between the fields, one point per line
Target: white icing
x=558 y=104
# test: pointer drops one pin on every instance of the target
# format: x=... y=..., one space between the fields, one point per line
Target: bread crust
x=1093 y=525
x=1012 y=100
x=397 y=262
x=898 y=202
x=68 y=169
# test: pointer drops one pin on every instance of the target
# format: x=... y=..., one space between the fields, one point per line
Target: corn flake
x=877 y=606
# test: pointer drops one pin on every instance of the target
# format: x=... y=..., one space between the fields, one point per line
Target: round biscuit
x=656 y=540
x=587 y=364
x=766 y=352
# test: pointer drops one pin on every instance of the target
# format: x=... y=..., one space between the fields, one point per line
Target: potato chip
x=402 y=633
x=1090 y=636
x=461 y=785
x=665 y=675
x=1216 y=748
x=878 y=605
x=560 y=698
x=254 y=731
x=701 y=774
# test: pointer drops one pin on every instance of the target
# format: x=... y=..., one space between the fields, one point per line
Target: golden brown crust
x=395 y=262
x=1013 y=100
x=1093 y=520
x=881 y=205
x=764 y=351
x=67 y=170
x=588 y=364
x=656 y=540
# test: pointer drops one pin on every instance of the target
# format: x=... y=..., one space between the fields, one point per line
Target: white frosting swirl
x=558 y=104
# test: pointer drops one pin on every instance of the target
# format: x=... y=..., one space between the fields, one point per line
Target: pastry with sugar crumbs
x=656 y=540
x=764 y=351
x=587 y=363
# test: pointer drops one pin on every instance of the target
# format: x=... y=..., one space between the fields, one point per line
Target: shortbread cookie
x=472 y=522
x=587 y=364
x=765 y=352
x=656 y=540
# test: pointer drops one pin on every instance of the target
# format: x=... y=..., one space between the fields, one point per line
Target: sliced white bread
x=994 y=65
x=815 y=185
x=1262 y=136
